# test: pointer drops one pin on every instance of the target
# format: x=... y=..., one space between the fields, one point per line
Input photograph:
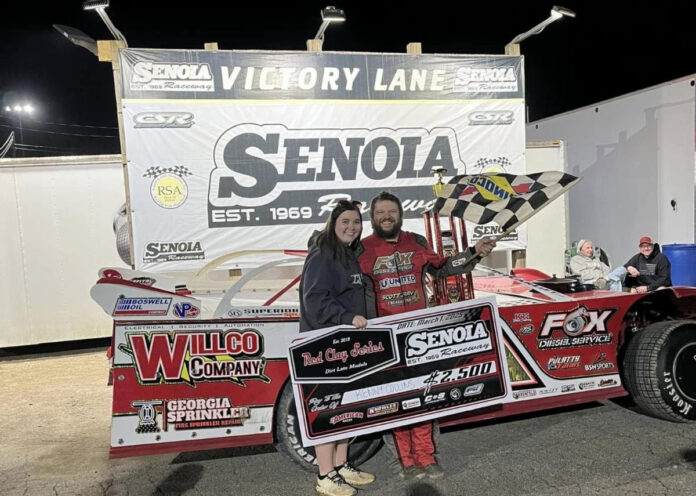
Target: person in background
x=332 y=293
x=649 y=269
x=394 y=263
x=592 y=270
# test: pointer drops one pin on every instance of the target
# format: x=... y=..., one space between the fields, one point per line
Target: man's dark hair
x=385 y=195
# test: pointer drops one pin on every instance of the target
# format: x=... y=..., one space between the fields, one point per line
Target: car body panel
x=186 y=382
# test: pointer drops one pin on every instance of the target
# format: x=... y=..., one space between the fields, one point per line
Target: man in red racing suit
x=395 y=263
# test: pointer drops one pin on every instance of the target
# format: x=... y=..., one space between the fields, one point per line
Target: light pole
x=19 y=110
x=100 y=6
x=557 y=12
x=328 y=15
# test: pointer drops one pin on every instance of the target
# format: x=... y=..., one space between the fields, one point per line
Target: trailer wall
x=635 y=154
x=56 y=226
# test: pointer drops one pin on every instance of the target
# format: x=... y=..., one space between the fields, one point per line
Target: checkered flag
x=470 y=314
x=503 y=162
x=179 y=170
x=506 y=199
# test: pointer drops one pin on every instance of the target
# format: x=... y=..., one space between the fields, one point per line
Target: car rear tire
x=660 y=370
x=289 y=441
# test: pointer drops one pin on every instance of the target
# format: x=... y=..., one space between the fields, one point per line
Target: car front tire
x=660 y=370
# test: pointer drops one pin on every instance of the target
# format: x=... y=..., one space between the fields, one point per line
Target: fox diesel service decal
x=189 y=357
x=579 y=327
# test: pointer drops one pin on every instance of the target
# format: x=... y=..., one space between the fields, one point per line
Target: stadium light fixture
x=78 y=38
x=557 y=12
x=99 y=6
x=328 y=15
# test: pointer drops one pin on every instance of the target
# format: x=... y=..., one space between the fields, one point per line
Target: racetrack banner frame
x=231 y=149
x=424 y=365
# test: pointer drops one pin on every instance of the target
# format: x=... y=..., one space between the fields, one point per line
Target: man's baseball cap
x=644 y=240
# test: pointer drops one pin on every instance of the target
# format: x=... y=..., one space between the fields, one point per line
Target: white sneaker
x=355 y=477
x=334 y=485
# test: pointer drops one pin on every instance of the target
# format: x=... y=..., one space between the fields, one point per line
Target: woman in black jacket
x=332 y=293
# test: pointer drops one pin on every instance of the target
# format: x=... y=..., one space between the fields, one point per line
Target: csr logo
x=163 y=120
x=491 y=117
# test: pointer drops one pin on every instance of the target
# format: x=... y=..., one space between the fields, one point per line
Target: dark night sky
x=609 y=49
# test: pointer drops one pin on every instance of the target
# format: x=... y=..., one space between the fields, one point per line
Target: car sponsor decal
x=563 y=362
x=580 y=327
x=191 y=357
x=185 y=310
x=139 y=306
x=200 y=413
x=599 y=362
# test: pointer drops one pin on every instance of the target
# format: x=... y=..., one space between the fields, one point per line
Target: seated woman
x=592 y=270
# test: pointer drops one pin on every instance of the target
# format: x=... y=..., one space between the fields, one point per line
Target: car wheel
x=289 y=441
x=660 y=370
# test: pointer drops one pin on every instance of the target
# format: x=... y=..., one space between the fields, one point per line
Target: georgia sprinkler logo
x=151 y=76
x=197 y=413
x=255 y=164
x=168 y=188
x=189 y=357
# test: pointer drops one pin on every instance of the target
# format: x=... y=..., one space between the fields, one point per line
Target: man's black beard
x=393 y=232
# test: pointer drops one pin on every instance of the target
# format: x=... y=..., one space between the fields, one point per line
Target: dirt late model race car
x=199 y=366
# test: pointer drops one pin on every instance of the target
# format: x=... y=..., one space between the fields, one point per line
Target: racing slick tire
x=660 y=370
x=289 y=441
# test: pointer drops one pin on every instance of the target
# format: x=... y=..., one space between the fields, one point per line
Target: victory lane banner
x=412 y=367
x=232 y=149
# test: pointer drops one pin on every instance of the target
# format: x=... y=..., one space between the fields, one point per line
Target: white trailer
x=57 y=215
x=635 y=154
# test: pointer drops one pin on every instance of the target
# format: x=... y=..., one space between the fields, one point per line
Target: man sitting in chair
x=592 y=270
x=649 y=269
